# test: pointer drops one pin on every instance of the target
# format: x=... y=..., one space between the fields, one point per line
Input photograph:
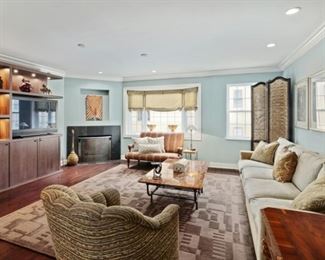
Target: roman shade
x=163 y=100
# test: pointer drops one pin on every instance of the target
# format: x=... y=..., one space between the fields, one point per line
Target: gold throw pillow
x=313 y=197
x=264 y=152
x=285 y=166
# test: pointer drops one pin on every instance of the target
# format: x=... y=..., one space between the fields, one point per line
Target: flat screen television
x=32 y=116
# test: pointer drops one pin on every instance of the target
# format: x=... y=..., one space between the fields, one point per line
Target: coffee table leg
x=151 y=193
x=195 y=199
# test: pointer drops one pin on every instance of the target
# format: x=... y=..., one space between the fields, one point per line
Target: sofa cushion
x=173 y=141
x=282 y=143
x=150 y=148
x=152 y=157
x=307 y=169
x=139 y=140
x=261 y=203
x=313 y=197
x=257 y=173
x=265 y=152
x=321 y=172
x=158 y=140
x=285 y=166
x=242 y=164
x=262 y=188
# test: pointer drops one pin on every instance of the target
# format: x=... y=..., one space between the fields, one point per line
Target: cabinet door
x=4 y=165
x=23 y=161
x=48 y=155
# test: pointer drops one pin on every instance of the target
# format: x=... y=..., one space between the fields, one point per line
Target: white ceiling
x=179 y=36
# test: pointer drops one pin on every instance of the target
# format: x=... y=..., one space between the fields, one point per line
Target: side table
x=189 y=154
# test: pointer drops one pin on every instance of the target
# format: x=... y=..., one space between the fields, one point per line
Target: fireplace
x=95 y=148
x=95 y=143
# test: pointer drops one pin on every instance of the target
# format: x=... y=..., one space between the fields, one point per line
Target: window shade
x=166 y=100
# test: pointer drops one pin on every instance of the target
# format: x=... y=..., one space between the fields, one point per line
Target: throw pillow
x=321 y=172
x=312 y=198
x=285 y=165
x=264 y=152
x=149 y=148
x=137 y=141
x=308 y=167
x=158 y=140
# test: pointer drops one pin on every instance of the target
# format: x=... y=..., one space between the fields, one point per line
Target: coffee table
x=191 y=180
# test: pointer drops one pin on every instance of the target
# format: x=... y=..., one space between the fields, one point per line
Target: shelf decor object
x=260 y=112
x=73 y=158
x=317 y=101
x=172 y=127
x=151 y=126
x=302 y=104
x=191 y=128
x=1 y=83
x=94 y=107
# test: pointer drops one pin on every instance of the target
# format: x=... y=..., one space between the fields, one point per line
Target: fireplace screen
x=95 y=148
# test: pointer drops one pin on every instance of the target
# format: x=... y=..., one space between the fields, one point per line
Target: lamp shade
x=191 y=128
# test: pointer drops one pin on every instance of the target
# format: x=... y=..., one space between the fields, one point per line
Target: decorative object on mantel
x=73 y=158
x=46 y=90
x=1 y=83
x=25 y=86
x=94 y=107
x=317 y=101
x=302 y=104
x=191 y=128
x=151 y=126
x=172 y=127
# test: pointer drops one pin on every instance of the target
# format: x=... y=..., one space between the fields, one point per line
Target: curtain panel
x=163 y=100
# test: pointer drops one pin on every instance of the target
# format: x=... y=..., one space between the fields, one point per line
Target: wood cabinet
x=33 y=157
x=23 y=160
x=4 y=165
x=48 y=155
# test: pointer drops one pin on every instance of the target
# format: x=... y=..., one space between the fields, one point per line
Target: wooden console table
x=291 y=234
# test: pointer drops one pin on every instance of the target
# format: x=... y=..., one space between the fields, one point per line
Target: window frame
x=229 y=137
x=196 y=136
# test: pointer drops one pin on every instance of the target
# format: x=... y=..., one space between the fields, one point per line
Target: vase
x=73 y=158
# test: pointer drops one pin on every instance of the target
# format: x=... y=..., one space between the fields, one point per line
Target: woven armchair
x=97 y=227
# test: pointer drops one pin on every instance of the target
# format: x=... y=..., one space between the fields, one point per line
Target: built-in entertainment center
x=29 y=142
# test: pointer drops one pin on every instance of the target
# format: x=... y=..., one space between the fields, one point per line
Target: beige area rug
x=219 y=229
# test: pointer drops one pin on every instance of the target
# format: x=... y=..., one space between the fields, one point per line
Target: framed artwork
x=317 y=102
x=94 y=107
x=302 y=104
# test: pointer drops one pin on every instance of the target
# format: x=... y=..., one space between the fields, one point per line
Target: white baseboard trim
x=63 y=162
x=228 y=166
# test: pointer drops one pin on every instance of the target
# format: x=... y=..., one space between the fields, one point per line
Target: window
x=15 y=114
x=135 y=121
x=239 y=111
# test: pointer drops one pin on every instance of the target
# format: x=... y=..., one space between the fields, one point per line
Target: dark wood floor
x=23 y=195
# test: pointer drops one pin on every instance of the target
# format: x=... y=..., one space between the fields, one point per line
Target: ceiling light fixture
x=154 y=71
x=33 y=75
x=271 y=45
x=81 y=45
x=49 y=78
x=292 y=11
x=16 y=71
x=100 y=72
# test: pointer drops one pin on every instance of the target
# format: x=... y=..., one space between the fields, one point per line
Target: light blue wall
x=312 y=62
x=74 y=108
x=57 y=87
x=213 y=147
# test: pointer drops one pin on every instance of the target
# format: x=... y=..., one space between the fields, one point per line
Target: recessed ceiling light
x=49 y=78
x=16 y=71
x=270 y=45
x=81 y=45
x=144 y=54
x=154 y=71
x=33 y=75
x=292 y=11
x=100 y=72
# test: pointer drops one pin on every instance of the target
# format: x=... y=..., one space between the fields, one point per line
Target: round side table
x=189 y=154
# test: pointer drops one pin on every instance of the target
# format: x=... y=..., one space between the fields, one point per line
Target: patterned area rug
x=219 y=229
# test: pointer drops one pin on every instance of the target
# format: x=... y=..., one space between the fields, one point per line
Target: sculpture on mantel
x=73 y=158
x=25 y=86
x=46 y=90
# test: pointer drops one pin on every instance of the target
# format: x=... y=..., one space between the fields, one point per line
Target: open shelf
x=4 y=129
x=38 y=95
x=4 y=104
x=4 y=77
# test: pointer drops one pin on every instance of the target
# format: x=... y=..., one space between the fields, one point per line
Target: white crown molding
x=204 y=73
x=92 y=77
x=314 y=38
x=31 y=65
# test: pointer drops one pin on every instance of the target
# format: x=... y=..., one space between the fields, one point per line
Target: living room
x=162 y=129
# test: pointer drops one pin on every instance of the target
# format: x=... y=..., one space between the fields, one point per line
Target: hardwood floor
x=23 y=195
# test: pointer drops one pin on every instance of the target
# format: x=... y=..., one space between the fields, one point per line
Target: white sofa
x=262 y=191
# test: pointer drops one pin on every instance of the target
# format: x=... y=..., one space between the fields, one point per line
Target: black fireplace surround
x=84 y=131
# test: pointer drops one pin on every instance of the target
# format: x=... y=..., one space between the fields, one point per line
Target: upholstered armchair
x=97 y=227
